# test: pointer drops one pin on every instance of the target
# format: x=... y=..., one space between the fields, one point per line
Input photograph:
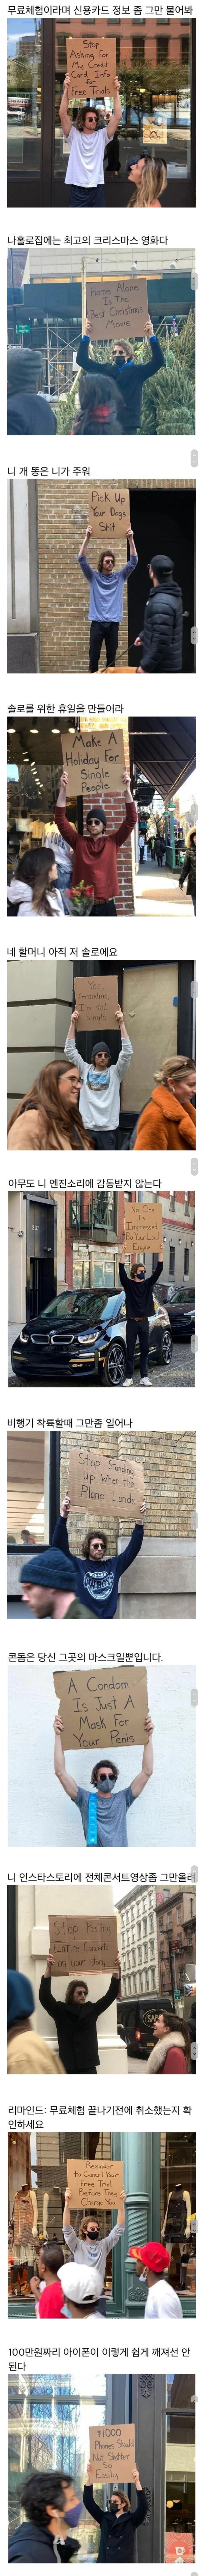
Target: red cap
x=51 y=2302
x=155 y=2257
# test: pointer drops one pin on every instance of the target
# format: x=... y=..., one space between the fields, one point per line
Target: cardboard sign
x=153 y=132
x=143 y=1226
x=112 y=1486
x=102 y=1710
x=96 y=999
x=92 y=2185
x=179 y=2548
x=83 y=1944
x=112 y=2453
x=109 y=510
x=117 y=309
x=91 y=62
x=94 y=761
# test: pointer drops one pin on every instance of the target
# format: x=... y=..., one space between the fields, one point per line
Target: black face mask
x=92 y=2238
x=106 y=1782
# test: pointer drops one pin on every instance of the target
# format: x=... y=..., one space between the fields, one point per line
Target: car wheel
x=115 y=1364
x=166 y=1351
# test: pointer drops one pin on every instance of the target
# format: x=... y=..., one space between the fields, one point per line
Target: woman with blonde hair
x=169 y=1118
x=150 y=177
x=49 y=1114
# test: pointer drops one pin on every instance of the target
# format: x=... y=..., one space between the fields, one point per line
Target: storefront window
x=180 y=2469
x=24 y=96
x=49 y=2429
x=177 y=2209
x=37 y=2178
x=28 y=1511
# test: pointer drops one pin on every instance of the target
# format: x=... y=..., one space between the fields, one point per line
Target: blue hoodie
x=97 y=1585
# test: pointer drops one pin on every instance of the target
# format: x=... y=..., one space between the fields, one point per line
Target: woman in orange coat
x=169 y=1119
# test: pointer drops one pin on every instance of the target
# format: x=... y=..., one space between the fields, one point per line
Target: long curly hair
x=83 y=112
x=91 y=1533
x=60 y=1124
x=151 y=185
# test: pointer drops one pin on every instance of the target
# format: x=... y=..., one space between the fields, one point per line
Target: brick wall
x=169 y=1461
x=114 y=809
x=63 y=591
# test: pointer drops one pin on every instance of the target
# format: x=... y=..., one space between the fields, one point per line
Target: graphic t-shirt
x=111 y=1814
x=86 y=158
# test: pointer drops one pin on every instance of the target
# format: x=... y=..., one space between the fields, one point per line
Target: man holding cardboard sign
x=88 y=138
x=103 y=1814
x=76 y=2019
x=90 y=2247
x=121 y=367
x=100 y=1080
x=95 y=1576
x=95 y=850
x=139 y=1305
x=112 y=2453
x=106 y=597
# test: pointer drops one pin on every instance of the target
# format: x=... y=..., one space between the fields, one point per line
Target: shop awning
x=164 y=750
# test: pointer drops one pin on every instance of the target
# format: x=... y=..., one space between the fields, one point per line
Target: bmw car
x=181 y=1303
x=83 y=1334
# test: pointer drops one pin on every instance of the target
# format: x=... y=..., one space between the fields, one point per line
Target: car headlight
x=24 y=1337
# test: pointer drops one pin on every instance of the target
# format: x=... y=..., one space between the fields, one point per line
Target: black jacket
x=139 y=1293
x=129 y=377
x=77 y=2031
x=189 y=869
x=33 y=2546
x=117 y=2538
x=163 y=627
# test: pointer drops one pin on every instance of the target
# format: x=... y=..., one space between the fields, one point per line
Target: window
x=170 y=1923
x=185 y=50
x=24 y=98
x=161 y=1923
x=172 y=1198
x=186 y=1211
x=178 y=1913
x=186 y=1261
x=152 y=1950
x=171 y=1260
x=162 y=49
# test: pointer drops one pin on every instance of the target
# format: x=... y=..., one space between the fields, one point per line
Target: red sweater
x=175 y=2062
x=97 y=867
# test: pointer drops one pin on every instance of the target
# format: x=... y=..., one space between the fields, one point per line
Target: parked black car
x=135 y=2019
x=181 y=1304
x=83 y=1334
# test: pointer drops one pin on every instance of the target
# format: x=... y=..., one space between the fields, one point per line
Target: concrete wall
x=40 y=1812
x=39 y=1011
x=18 y=557
x=151 y=1021
x=17 y=1256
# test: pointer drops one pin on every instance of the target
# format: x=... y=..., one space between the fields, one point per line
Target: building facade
x=176 y=1940
x=138 y=1942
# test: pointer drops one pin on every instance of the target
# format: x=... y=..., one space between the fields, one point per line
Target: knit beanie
x=96 y=815
x=50 y=1568
x=20 y=1998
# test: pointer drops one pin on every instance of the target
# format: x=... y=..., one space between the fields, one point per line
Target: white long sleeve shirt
x=94 y=2255
x=100 y=1108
